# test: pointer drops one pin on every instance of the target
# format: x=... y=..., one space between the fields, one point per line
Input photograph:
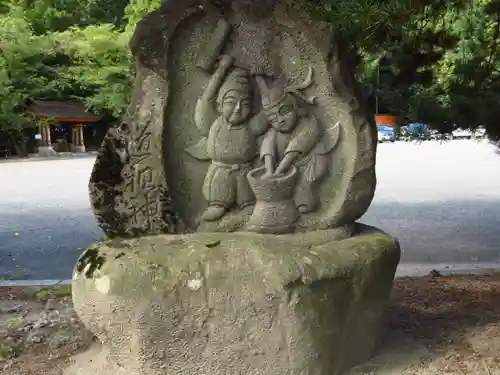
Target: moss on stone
x=326 y=296
x=279 y=260
x=90 y=261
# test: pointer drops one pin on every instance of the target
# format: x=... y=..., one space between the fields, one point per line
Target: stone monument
x=229 y=196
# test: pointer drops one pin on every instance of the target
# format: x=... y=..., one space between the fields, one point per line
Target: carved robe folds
x=311 y=167
x=232 y=150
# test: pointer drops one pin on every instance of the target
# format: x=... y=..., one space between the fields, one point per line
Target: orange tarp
x=386 y=120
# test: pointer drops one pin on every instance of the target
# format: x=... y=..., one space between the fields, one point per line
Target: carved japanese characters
x=220 y=128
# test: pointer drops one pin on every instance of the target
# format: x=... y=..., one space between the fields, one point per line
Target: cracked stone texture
x=211 y=303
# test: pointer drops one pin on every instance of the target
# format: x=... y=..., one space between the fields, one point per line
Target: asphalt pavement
x=441 y=200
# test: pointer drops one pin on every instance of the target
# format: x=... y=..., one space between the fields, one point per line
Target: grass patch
x=9 y=350
x=44 y=293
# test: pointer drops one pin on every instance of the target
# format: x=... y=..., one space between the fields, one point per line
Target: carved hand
x=257 y=70
x=285 y=163
x=280 y=172
x=268 y=162
x=217 y=78
x=225 y=61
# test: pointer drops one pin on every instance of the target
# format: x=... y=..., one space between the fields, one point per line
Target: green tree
x=91 y=64
x=424 y=60
x=137 y=9
x=100 y=73
x=436 y=62
x=18 y=46
x=45 y=16
x=470 y=73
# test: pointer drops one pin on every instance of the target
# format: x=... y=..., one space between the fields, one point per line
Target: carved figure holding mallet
x=229 y=138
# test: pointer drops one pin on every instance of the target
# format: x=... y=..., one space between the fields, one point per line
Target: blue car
x=416 y=130
x=385 y=133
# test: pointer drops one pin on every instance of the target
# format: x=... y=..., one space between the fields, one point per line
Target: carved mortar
x=275 y=211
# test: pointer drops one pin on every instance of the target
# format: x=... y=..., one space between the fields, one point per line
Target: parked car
x=416 y=131
x=461 y=134
x=385 y=133
x=480 y=133
x=438 y=136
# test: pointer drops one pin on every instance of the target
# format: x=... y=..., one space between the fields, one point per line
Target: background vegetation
x=431 y=61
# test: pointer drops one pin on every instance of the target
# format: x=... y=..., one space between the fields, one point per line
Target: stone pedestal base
x=236 y=303
x=398 y=353
x=46 y=151
x=78 y=149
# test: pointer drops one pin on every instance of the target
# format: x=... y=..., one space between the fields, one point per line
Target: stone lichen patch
x=103 y=284
x=195 y=284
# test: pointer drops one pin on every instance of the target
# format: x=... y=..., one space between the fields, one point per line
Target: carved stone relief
x=294 y=149
x=264 y=132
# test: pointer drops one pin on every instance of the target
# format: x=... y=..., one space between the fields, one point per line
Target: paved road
x=442 y=201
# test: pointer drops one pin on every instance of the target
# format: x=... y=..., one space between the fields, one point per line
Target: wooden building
x=67 y=119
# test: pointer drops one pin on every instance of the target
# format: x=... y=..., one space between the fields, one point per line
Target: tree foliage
x=99 y=73
x=427 y=61
x=432 y=61
x=46 y=58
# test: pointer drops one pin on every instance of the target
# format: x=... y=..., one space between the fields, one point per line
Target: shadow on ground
x=449 y=231
x=44 y=244
x=441 y=310
x=38 y=243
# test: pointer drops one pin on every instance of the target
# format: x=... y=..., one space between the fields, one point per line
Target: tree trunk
x=19 y=142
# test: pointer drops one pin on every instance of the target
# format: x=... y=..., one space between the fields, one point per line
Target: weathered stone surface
x=398 y=354
x=144 y=182
x=245 y=118
x=128 y=186
x=239 y=303
x=46 y=151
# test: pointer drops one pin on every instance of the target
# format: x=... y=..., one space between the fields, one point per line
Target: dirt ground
x=39 y=330
x=456 y=317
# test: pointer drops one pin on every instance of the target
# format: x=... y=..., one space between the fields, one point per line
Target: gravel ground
x=38 y=329
x=441 y=200
x=450 y=326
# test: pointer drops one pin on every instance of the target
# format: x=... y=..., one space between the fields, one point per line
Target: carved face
x=283 y=117
x=236 y=107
